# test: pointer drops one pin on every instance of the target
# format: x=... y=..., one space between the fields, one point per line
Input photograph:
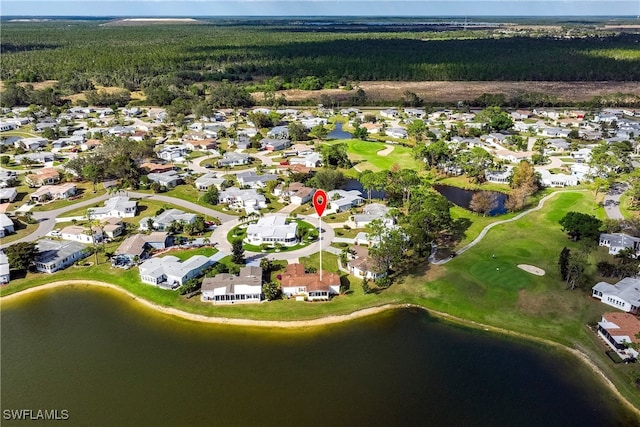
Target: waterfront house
x=5 y=274
x=117 y=207
x=225 y=288
x=549 y=179
x=54 y=255
x=295 y=282
x=360 y=265
x=624 y=295
x=620 y=331
x=343 y=200
x=170 y=271
x=619 y=241
x=139 y=245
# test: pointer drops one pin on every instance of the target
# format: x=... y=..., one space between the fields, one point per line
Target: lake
x=461 y=197
x=109 y=361
x=338 y=133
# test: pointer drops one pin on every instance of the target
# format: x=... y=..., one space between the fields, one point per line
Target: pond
x=354 y=184
x=338 y=133
x=109 y=361
x=461 y=197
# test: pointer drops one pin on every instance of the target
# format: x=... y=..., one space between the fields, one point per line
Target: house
x=201 y=145
x=619 y=241
x=624 y=295
x=118 y=207
x=295 y=282
x=273 y=229
x=271 y=144
x=582 y=155
x=309 y=159
x=278 y=132
x=46 y=176
x=78 y=233
x=396 y=132
x=5 y=274
x=40 y=157
x=167 y=179
x=372 y=212
x=582 y=171
x=365 y=239
x=231 y=159
x=172 y=152
x=54 y=255
x=360 y=265
x=53 y=192
x=228 y=288
x=343 y=200
x=156 y=168
x=371 y=127
x=8 y=195
x=619 y=330
x=549 y=179
x=390 y=113
x=31 y=144
x=6 y=126
x=138 y=245
x=6 y=225
x=171 y=271
x=499 y=177
x=112 y=227
x=90 y=144
x=297 y=192
x=208 y=180
x=558 y=144
x=241 y=143
x=253 y=180
x=514 y=156
x=248 y=199
x=164 y=219
x=415 y=112
x=8 y=178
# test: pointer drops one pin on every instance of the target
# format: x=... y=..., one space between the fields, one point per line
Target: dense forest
x=135 y=57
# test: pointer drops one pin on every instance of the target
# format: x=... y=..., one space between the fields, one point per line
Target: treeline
x=141 y=57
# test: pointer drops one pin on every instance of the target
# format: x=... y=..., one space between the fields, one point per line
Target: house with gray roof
x=170 y=271
x=252 y=180
x=139 y=245
x=162 y=221
x=5 y=274
x=272 y=144
x=39 y=157
x=278 y=132
x=6 y=225
x=228 y=288
x=8 y=195
x=343 y=200
x=624 y=295
x=168 y=179
x=619 y=241
x=54 y=255
x=208 y=180
x=115 y=207
x=372 y=212
x=273 y=229
x=231 y=159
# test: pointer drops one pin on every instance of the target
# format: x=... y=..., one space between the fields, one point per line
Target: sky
x=195 y=8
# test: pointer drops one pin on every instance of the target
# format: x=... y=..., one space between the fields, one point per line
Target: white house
x=619 y=330
x=5 y=275
x=498 y=177
x=360 y=265
x=168 y=179
x=115 y=207
x=272 y=229
x=343 y=200
x=171 y=271
x=372 y=212
x=295 y=282
x=619 y=241
x=232 y=159
x=54 y=255
x=172 y=152
x=549 y=179
x=162 y=221
x=228 y=288
x=6 y=225
x=53 y=192
x=248 y=199
x=253 y=180
x=397 y=132
x=390 y=113
x=77 y=233
x=309 y=159
x=208 y=180
x=624 y=295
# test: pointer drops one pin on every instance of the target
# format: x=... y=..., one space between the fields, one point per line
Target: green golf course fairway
x=366 y=154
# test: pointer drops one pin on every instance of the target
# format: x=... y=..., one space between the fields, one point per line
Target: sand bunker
x=386 y=151
x=531 y=269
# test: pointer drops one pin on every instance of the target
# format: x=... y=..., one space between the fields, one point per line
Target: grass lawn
x=22 y=230
x=85 y=192
x=625 y=207
x=366 y=154
x=22 y=133
x=191 y=194
x=464 y=182
x=239 y=232
x=184 y=254
x=349 y=234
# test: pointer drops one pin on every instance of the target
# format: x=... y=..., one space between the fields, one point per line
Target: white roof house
x=309 y=159
x=162 y=221
x=273 y=229
x=8 y=195
x=372 y=212
x=6 y=225
x=396 y=132
x=116 y=207
x=228 y=288
x=169 y=179
x=172 y=271
x=624 y=295
x=78 y=233
x=56 y=255
x=248 y=199
x=5 y=275
x=549 y=179
x=233 y=159
x=207 y=180
x=343 y=200
x=253 y=180
x=619 y=241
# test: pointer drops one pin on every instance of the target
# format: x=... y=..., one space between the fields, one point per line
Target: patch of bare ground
x=546 y=304
x=37 y=85
x=447 y=91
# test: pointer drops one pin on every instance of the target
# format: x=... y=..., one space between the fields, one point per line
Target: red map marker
x=320 y=201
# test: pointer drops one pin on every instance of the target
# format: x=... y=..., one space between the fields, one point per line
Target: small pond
x=461 y=197
x=354 y=184
x=338 y=133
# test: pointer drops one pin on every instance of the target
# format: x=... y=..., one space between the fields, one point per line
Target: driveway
x=612 y=201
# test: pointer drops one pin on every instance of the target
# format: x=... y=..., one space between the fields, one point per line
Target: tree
x=211 y=196
x=563 y=262
x=411 y=99
x=21 y=255
x=524 y=176
x=4 y=160
x=483 y=202
x=391 y=247
x=297 y=132
x=335 y=155
x=581 y=226
x=327 y=179
x=271 y=291
x=360 y=133
x=237 y=252
x=319 y=132
x=496 y=120
x=417 y=129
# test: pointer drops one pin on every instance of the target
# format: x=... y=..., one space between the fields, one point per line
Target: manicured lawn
x=239 y=232
x=184 y=254
x=20 y=233
x=366 y=154
x=464 y=182
x=349 y=234
x=22 y=133
x=625 y=208
x=85 y=192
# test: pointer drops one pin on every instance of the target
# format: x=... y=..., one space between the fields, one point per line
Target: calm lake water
x=110 y=362
x=338 y=133
x=462 y=197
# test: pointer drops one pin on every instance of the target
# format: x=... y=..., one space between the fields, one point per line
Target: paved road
x=612 y=201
